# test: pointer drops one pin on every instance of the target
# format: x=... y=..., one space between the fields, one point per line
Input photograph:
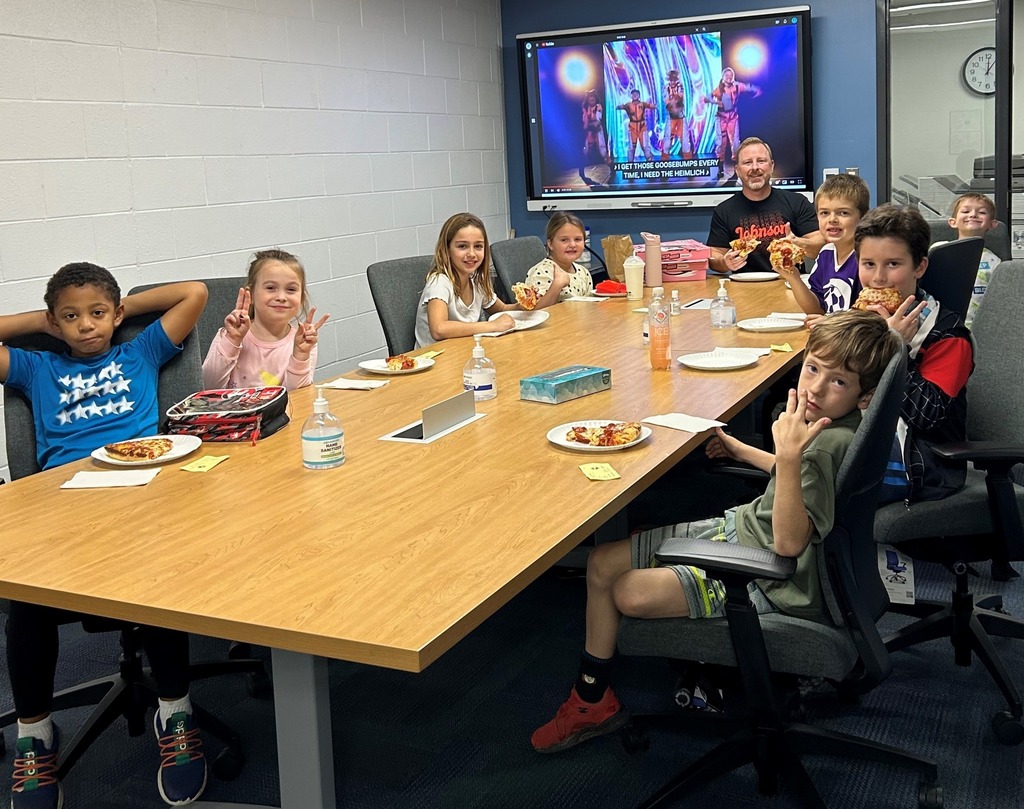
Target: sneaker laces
x=179 y=746
x=40 y=769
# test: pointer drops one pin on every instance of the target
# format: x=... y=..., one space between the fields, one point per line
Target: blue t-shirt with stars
x=81 y=403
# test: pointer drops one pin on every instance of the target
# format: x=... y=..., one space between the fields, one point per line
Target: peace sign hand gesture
x=306 y=335
x=237 y=322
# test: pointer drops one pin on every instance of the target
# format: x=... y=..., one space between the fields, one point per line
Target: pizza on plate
x=401 y=362
x=613 y=434
x=889 y=297
x=526 y=296
x=141 y=449
x=784 y=255
x=744 y=246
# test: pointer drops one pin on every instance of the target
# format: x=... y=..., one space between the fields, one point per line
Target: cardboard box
x=681 y=259
x=563 y=384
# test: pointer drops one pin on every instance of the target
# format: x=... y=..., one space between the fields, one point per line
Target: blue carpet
x=457 y=735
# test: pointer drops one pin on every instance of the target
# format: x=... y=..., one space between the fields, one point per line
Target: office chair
x=997 y=240
x=130 y=691
x=952 y=269
x=757 y=659
x=395 y=286
x=982 y=520
x=512 y=261
x=895 y=567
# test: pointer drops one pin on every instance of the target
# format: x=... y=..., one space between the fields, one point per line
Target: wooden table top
x=394 y=557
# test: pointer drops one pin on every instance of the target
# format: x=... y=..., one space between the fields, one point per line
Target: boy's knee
x=631 y=600
x=605 y=564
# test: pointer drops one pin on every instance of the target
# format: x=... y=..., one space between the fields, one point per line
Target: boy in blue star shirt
x=95 y=394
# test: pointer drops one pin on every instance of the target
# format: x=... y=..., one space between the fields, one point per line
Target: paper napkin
x=107 y=480
x=801 y=316
x=587 y=298
x=681 y=421
x=354 y=384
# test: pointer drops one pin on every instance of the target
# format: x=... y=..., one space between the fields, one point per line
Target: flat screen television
x=649 y=114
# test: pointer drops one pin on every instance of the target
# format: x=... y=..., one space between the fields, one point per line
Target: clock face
x=979 y=71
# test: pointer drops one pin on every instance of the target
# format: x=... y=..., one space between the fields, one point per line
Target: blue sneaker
x=35 y=774
x=182 y=774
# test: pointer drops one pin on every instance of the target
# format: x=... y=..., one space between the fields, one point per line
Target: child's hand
x=502 y=324
x=906 y=319
x=236 y=324
x=561 y=279
x=814 y=320
x=306 y=335
x=791 y=430
x=723 y=445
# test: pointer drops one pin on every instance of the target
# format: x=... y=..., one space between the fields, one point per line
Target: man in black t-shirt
x=760 y=212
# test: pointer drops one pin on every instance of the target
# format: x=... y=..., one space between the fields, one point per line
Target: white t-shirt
x=542 y=274
x=440 y=287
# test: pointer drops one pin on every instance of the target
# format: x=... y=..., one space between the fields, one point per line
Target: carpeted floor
x=457 y=735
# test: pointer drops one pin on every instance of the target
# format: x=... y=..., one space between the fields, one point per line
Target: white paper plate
x=611 y=294
x=183 y=445
x=524 y=320
x=719 y=360
x=769 y=324
x=381 y=366
x=556 y=435
x=755 y=276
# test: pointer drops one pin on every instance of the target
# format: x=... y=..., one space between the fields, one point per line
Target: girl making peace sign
x=259 y=344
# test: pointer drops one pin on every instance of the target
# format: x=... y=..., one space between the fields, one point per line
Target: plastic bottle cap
x=675 y=294
x=478 y=350
x=659 y=290
x=320 y=403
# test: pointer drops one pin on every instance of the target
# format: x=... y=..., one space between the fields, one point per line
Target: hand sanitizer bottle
x=479 y=375
x=323 y=439
x=723 y=310
x=674 y=303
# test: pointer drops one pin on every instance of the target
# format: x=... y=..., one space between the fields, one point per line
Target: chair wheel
x=634 y=739
x=239 y=650
x=258 y=685
x=1008 y=729
x=683 y=697
x=228 y=763
x=929 y=796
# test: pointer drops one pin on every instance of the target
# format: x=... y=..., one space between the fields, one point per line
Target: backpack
x=230 y=414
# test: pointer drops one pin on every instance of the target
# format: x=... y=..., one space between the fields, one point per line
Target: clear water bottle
x=673 y=304
x=660 y=331
x=479 y=375
x=323 y=439
x=585 y=257
x=723 y=310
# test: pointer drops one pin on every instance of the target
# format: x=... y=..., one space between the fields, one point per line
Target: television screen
x=650 y=114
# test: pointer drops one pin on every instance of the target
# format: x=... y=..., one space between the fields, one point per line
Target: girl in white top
x=458 y=286
x=557 y=277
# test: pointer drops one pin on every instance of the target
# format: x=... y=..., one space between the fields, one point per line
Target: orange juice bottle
x=660 y=331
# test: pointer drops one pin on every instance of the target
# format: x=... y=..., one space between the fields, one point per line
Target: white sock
x=170 y=708
x=42 y=730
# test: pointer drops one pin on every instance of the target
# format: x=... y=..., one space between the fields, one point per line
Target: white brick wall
x=168 y=139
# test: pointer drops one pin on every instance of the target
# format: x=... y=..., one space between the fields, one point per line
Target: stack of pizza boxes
x=681 y=260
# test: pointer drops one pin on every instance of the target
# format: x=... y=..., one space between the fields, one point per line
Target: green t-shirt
x=801 y=595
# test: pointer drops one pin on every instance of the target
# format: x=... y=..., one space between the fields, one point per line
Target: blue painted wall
x=842 y=88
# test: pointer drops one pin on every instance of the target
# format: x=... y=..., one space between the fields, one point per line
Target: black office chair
x=952 y=269
x=757 y=659
x=997 y=240
x=513 y=259
x=129 y=691
x=395 y=286
x=982 y=521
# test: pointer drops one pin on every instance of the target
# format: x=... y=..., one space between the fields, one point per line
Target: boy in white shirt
x=975 y=215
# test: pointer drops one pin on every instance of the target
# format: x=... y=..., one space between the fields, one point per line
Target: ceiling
x=940 y=13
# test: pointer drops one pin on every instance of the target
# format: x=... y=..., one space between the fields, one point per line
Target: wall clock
x=979 y=71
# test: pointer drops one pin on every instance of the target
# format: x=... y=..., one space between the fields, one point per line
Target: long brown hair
x=442 y=264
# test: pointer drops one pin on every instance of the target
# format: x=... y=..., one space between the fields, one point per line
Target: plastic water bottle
x=479 y=375
x=673 y=304
x=723 y=310
x=323 y=439
x=585 y=257
x=661 y=331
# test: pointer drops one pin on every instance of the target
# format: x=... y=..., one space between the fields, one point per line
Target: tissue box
x=563 y=384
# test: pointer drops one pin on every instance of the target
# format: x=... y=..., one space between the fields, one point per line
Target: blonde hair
x=846 y=187
x=442 y=264
x=990 y=206
x=861 y=342
x=263 y=257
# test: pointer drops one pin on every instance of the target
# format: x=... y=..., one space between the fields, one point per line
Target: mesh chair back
x=952 y=268
x=512 y=261
x=848 y=562
x=997 y=240
x=995 y=405
x=396 y=285
x=182 y=375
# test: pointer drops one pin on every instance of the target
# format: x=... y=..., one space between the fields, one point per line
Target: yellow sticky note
x=429 y=355
x=204 y=464
x=599 y=471
x=784 y=347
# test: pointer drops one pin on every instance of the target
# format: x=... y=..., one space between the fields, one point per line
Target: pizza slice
x=526 y=296
x=889 y=297
x=785 y=255
x=401 y=362
x=744 y=246
x=141 y=449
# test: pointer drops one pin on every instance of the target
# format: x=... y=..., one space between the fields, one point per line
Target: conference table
x=392 y=558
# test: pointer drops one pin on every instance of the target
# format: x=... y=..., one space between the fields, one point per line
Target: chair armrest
x=982 y=453
x=726 y=558
x=726 y=466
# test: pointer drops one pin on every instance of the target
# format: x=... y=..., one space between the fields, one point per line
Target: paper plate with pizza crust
x=179 y=447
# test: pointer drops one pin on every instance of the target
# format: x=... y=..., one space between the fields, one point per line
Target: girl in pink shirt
x=260 y=344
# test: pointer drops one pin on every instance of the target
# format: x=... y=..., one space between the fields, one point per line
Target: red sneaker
x=577 y=721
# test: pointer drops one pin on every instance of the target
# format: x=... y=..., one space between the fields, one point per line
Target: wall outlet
x=826 y=173
x=854 y=170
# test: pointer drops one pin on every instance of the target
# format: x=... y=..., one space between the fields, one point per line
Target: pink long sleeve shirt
x=256 y=363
